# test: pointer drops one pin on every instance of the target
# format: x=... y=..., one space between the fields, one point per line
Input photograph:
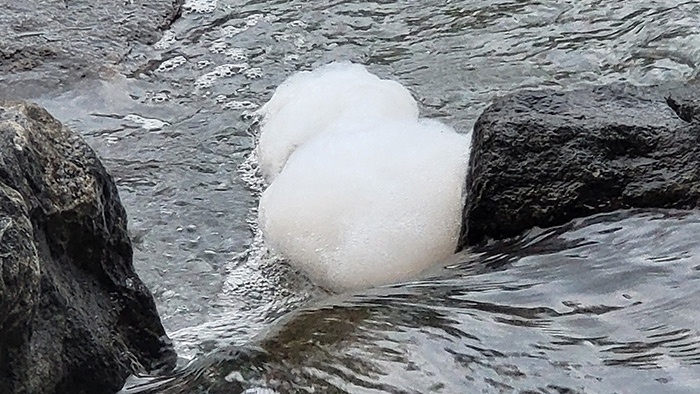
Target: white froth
x=149 y=124
x=199 y=6
x=308 y=103
x=363 y=192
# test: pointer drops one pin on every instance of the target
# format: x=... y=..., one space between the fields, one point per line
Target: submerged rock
x=542 y=158
x=47 y=45
x=74 y=316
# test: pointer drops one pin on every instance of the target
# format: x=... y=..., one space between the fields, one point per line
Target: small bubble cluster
x=199 y=6
x=248 y=105
x=223 y=71
x=252 y=20
x=297 y=24
x=223 y=45
x=202 y=64
x=218 y=47
x=166 y=41
x=171 y=64
x=253 y=73
x=156 y=97
x=236 y=54
x=149 y=124
x=231 y=31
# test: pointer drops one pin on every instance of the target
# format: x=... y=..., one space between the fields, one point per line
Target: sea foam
x=310 y=102
x=362 y=192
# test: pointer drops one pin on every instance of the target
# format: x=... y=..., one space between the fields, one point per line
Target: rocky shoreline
x=75 y=315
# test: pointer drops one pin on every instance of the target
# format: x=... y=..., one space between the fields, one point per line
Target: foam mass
x=308 y=103
x=362 y=191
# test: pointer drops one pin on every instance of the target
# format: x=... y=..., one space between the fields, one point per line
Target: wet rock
x=46 y=45
x=74 y=316
x=542 y=158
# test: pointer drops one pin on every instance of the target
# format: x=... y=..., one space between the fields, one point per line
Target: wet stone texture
x=541 y=158
x=47 y=45
x=74 y=316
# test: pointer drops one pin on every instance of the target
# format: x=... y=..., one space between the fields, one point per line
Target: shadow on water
x=604 y=304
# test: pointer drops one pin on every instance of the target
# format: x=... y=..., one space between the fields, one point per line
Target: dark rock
x=46 y=45
x=74 y=316
x=542 y=158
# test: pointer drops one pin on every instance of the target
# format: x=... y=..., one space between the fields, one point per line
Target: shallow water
x=605 y=304
x=604 y=307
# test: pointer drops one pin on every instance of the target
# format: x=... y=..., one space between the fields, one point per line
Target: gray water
x=606 y=305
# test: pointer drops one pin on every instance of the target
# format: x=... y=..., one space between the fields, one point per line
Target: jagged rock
x=541 y=158
x=74 y=316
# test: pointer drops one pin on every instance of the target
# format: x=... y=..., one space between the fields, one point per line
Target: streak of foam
x=199 y=6
x=237 y=55
x=149 y=124
x=171 y=64
x=223 y=71
x=166 y=41
x=246 y=105
x=257 y=289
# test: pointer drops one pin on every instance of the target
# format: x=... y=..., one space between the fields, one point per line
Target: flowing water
x=606 y=304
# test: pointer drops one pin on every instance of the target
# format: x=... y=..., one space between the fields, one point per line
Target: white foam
x=149 y=124
x=310 y=102
x=171 y=64
x=363 y=192
x=199 y=6
x=223 y=71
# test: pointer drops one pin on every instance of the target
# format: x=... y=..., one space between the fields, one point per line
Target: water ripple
x=604 y=304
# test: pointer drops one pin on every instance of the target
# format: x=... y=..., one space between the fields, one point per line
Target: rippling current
x=606 y=304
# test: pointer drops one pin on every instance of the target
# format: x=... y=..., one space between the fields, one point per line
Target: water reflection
x=568 y=314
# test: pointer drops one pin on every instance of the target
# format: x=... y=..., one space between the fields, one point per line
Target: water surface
x=606 y=305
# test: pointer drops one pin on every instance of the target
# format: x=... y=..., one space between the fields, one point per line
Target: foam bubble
x=230 y=31
x=253 y=73
x=218 y=47
x=149 y=124
x=237 y=54
x=199 y=6
x=310 y=102
x=363 y=192
x=252 y=20
x=223 y=71
x=245 y=104
x=166 y=41
x=171 y=64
